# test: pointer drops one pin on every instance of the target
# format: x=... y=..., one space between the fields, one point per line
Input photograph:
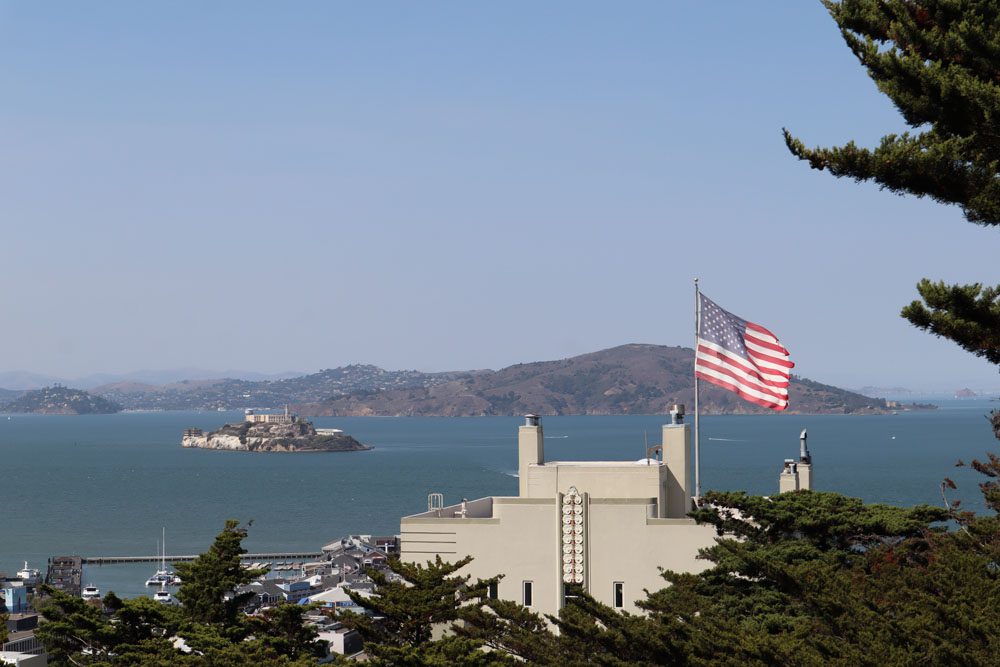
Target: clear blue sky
x=449 y=185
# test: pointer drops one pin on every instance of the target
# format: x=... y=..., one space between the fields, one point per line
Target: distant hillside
x=237 y=394
x=7 y=395
x=629 y=379
x=60 y=400
x=22 y=380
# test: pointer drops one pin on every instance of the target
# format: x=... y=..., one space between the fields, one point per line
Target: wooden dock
x=253 y=558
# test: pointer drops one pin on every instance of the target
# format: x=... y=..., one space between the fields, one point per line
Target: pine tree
x=207 y=594
x=811 y=578
x=283 y=630
x=407 y=610
x=71 y=627
x=939 y=63
x=139 y=631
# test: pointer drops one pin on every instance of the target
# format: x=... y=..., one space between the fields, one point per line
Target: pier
x=256 y=558
x=64 y=574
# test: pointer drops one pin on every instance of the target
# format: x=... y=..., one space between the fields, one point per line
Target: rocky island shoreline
x=293 y=435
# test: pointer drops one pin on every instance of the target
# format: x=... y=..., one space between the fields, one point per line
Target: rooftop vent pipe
x=677 y=414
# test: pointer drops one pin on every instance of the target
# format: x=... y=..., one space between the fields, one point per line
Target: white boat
x=163 y=576
x=91 y=593
x=29 y=575
x=163 y=596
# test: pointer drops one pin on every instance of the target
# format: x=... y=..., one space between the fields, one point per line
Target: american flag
x=741 y=356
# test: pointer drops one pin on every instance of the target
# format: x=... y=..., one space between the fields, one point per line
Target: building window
x=618 y=594
x=492 y=592
x=527 y=597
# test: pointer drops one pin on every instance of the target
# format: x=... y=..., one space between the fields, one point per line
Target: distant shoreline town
x=629 y=379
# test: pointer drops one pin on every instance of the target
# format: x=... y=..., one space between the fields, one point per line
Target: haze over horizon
x=21 y=380
x=448 y=187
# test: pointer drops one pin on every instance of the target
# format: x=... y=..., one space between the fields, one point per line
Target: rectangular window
x=618 y=594
x=492 y=592
x=526 y=588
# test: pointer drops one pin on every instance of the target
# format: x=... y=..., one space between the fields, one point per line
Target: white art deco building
x=606 y=525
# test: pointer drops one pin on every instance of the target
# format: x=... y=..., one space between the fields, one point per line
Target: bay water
x=104 y=485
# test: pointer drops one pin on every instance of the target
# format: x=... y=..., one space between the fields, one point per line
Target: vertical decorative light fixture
x=572 y=537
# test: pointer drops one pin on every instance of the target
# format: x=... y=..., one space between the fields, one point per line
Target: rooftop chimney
x=677 y=414
x=530 y=450
x=788 y=480
x=677 y=457
x=805 y=462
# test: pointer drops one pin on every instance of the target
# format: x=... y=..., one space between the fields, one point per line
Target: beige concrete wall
x=805 y=476
x=788 y=481
x=521 y=541
x=627 y=546
x=628 y=533
x=602 y=480
x=676 y=445
x=530 y=451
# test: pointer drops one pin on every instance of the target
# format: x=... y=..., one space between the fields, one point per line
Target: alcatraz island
x=272 y=432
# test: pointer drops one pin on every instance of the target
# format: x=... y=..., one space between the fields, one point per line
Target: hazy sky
x=448 y=185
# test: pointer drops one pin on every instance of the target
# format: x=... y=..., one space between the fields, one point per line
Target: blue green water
x=104 y=485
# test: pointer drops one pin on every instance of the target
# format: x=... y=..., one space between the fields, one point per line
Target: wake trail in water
x=728 y=439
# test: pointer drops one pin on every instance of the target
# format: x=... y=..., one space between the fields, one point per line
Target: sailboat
x=163 y=576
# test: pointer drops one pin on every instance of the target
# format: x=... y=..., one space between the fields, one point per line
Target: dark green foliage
x=407 y=613
x=71 y=625
x=141 y=632
x=803 y=578
x=212 y=576
x=281 y=629
x=937 y=60
x=966 y=314
x=826 y=521
x=75 y=631
x=503 y=626
x=816 y=578
x=932 y=599
x=939 y=63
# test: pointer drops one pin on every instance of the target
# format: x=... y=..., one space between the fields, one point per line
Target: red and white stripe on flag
x=743 y=357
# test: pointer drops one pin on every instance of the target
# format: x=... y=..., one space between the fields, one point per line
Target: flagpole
x=697 y=414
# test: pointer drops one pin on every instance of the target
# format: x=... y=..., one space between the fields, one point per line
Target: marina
x=262 y=557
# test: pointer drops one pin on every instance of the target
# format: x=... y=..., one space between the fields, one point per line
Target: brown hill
x=629 y=379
